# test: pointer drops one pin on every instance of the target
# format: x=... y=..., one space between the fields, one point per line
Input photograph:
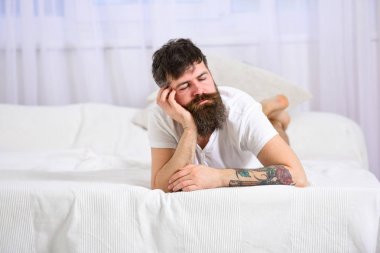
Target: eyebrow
x=201 y=74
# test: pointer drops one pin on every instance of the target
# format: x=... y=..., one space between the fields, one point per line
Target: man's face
x=195 y=81
x=197 y=92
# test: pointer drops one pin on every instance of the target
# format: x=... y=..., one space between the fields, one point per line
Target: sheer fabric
x=67 y=51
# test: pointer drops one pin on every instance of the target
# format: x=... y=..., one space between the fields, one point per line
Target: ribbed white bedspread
x=113 y=210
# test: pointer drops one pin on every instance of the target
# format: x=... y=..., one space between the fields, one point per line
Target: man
x=204 y=137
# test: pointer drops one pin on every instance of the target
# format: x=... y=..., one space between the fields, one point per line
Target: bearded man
x=202 y=136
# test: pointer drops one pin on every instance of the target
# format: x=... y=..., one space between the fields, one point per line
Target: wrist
x=226 y=175
x=189 y=126
x=190 y=132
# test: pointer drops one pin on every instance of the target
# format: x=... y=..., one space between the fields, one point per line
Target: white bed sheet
x=107 y=206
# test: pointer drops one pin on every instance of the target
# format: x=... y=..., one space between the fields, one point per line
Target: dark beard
x=208 y=116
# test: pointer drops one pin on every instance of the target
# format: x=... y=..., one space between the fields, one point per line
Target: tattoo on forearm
x=271 y=175
x=242 y=173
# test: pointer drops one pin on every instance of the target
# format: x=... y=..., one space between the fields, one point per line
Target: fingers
x=162 y=96
x=190 y=188
x=182 y=179
x=194 y=177
x=166 y=95
x=166 y=100
x=183 y=184
x=183 y=172
x=171 y=99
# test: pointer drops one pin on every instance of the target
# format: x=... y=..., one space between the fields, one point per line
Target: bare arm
x=278 y=152
x=270 y=175
x=166 y=161
x=281 y=166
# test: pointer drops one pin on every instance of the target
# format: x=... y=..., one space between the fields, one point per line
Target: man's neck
x=203 y=140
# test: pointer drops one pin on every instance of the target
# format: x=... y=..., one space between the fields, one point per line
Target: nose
x=197 y=88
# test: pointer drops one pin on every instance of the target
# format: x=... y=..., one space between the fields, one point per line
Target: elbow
x=156 y=186
x=164 y=189
x=299 y=177
x=302 y=183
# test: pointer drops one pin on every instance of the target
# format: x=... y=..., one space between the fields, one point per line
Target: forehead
x=191 y=71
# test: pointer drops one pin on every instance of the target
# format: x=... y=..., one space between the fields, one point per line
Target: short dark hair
x=174 y=58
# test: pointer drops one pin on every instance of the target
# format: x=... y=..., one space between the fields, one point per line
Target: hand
x=166 y=100
x=195 y=177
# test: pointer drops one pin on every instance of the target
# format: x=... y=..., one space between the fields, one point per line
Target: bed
x=76 y=178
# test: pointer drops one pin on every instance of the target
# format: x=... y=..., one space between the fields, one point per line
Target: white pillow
x=141 y=118
x=322 y=136
x=38 y=127
x=259 y=83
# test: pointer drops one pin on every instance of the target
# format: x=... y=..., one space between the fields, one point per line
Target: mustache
x=204 y=96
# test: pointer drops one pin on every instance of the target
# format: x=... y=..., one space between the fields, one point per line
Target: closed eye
x=183 y=86
x=202 y=77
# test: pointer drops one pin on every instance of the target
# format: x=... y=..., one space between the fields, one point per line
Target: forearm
x=183 y=155
x=270 y=175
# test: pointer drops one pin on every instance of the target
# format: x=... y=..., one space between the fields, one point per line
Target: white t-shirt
x=235 y=145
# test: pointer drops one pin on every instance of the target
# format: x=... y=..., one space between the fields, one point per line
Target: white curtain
x=346 y=66
x=68 y=51
x=71 y=51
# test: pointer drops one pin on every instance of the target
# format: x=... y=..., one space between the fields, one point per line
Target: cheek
x=181 y=99
x=211 y=87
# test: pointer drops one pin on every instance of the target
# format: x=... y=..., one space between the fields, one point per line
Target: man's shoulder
x=236 y=99
x=158 y=116
x=155 y=109
x=156 y=112
x=230 y=91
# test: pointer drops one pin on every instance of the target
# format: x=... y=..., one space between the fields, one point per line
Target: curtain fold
x=68 y=51
x=347 y=81
x=64 y=51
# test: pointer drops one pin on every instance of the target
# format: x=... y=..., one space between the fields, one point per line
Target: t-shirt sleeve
x=161 y=130
x=257 y=130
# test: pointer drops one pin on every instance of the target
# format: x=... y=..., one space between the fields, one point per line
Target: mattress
x=114 y=211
